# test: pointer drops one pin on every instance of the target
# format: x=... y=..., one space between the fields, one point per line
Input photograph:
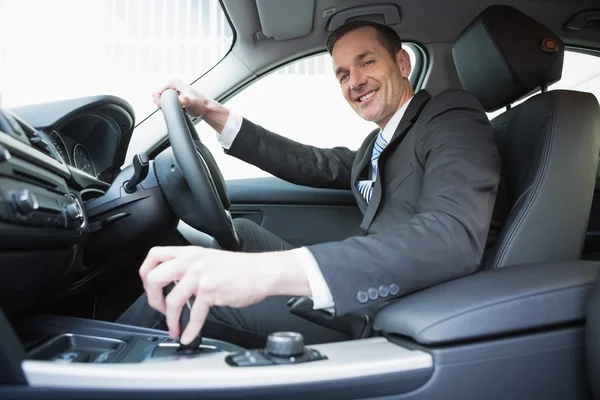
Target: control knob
x=25 y=202
x=285 y=344
x=75 y=213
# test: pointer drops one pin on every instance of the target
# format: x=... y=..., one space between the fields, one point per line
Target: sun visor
x=285 y=19
x=386 y=14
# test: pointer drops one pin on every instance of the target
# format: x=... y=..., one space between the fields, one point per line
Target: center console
x=65 y=340
x=94 y=342
x=78 y=353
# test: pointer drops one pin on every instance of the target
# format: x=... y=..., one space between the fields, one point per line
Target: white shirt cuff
x=321 y=295
x=230 y=130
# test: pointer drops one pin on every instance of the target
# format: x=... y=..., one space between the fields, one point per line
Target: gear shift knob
x=184 y=319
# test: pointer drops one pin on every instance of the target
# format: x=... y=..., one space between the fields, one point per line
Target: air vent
x=29 y=135
x=40 y=143
x=35 y=179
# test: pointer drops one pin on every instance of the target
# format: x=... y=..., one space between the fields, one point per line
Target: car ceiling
x=423 y=21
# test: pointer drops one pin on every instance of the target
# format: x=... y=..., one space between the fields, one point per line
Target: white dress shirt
x=321 y=295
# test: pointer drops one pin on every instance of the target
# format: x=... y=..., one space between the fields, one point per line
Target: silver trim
x=76 y=335
x=68 y=161
x=346 y=360
x=91 y=160
x=202 y=346
x=103 y=192
x=16 y=147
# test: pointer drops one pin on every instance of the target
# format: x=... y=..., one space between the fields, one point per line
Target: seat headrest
x=504 y=55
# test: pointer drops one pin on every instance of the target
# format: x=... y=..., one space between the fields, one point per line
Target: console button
x=251 y=359
x=25 y=202
x=281 y=348
x=102 y=357
x=4 y=154
x=72 y=357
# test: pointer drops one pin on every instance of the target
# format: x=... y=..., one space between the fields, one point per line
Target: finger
x=157 y=93
x=156 y=256
x=158 y=278
x=184 y=100
x=176 y=300
x=198 y=316
x=156 y=99
x=176 y=84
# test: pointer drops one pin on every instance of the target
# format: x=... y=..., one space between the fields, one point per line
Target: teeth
x=366 y=96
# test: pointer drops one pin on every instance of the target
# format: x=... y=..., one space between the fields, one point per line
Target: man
x=426 y=182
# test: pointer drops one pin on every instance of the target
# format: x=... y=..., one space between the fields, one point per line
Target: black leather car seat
x=592 y=340
x=548 y=145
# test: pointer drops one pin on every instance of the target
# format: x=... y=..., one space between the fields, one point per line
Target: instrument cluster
x=74 y=154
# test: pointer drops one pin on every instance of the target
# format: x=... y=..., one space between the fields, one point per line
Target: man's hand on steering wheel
x=194 y=102
x=216 y=278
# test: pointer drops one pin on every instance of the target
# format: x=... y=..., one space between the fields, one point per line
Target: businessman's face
x=374 y=83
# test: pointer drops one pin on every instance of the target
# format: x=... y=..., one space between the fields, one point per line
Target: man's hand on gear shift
x=216 y=278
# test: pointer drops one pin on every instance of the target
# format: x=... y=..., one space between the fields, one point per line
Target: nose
x=357 y=79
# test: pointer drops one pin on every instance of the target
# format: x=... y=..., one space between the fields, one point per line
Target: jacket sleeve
x=446 y=237
x=292 y=161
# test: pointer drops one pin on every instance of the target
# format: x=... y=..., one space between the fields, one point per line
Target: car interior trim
x=346 y=360
x=33 y=155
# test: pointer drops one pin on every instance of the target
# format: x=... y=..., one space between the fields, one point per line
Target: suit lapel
x=410 y=116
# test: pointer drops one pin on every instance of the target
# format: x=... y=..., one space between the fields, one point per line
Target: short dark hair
x=386 y=35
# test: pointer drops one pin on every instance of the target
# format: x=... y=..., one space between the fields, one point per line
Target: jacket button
x=362 y=297
x=383 y=291
x=373 y=294
x=394 y=289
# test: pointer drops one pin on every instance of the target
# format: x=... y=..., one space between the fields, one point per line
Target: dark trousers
x=247 y=327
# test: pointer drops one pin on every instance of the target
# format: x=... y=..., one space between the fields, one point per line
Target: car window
x=51 y=50
x=302 y=101
x=580 y=72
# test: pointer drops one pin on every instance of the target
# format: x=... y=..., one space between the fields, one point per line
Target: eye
x=343 y=77
x=368 y=62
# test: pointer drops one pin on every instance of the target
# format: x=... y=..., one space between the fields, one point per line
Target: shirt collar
x=392 y=125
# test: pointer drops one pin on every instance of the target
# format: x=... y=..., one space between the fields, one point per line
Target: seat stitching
x=525 y=192
x=536 y=187
x=511 y=235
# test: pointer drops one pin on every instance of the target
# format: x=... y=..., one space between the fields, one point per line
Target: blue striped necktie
x=365 y=187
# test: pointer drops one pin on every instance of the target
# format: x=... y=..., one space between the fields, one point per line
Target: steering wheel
x=201 y=173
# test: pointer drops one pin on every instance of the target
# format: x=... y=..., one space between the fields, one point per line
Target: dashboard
x=87 y=143
x=89 y=135
x=55 y=158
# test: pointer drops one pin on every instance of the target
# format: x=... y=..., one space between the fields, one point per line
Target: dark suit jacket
x=432 y=202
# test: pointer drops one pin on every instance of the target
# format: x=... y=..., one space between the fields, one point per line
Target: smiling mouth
x=366 y=96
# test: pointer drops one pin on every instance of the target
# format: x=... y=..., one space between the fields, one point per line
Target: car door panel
x=298 y=214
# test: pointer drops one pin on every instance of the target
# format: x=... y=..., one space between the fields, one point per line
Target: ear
x=403 y=62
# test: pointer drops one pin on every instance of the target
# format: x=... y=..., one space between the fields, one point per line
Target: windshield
x=60 y=49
